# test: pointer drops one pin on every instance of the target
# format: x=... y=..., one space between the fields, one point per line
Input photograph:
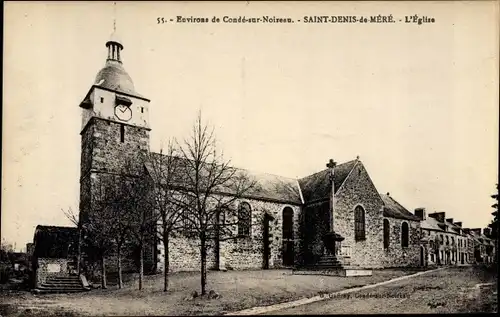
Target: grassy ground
x=239 y=290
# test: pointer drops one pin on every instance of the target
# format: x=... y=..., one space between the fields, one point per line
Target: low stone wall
x=48 y=267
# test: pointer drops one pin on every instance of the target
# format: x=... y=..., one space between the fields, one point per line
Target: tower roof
x=114 y=38
x=114 y=76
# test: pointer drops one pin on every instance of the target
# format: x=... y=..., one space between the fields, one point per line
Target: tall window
x=187 y=223
x=122 y=133
x=404 y=235
x=244 y=220
x=288 y=223
x=386 y=233
x=359 y=223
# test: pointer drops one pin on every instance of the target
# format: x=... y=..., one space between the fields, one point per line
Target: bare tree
x=211 y=188
x=119 y=203
x=97 y=225
x=143 y=218
x=73 y=217
x=112 y=216
x=164 y=170
x=436 y=249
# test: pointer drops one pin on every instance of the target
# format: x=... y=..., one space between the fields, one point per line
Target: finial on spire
x=114 y=46
x=114 y=16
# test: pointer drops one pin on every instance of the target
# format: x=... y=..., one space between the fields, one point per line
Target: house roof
x=266 y=186
x=453 y=227
x=317 y=186
x=394 y=209
x=431 y=224
x=55 y=241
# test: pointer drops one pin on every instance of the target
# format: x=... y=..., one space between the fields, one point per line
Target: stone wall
x=358 y=189
x=109 y=154
x=396 y=255
x=237 y=253
x=47 y=267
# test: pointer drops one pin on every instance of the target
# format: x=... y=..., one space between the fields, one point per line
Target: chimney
x=458 y=224
x=476 y=230
x=450 y=220
x=439 y=216
x=466 y=230
x=420 y=213
x=487 y=232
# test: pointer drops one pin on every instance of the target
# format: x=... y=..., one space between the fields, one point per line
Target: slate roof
x=430 y=223
x=317 y=186
x=113 y=76
x=55 y=241
x=453 y=227
x=394 y=209
x=267 y=186
x=475 y=236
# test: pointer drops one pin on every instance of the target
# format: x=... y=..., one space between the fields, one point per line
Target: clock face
x=122 y=112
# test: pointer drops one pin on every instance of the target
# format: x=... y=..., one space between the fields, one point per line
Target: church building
x=377 y=231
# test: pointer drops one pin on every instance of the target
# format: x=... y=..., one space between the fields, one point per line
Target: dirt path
x=448 y=291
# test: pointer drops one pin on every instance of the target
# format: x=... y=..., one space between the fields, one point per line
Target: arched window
x=386 y=233
x=404 y=235
x=288 y=223
x=244 y=219
x=359 y=223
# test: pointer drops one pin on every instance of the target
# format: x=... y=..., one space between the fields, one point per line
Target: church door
x=266 y=236
x=288 y=239
x=422 y=260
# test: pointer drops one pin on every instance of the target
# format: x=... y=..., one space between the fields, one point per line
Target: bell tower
x=115 y=127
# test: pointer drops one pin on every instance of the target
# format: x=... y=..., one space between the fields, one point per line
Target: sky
x=417 y=103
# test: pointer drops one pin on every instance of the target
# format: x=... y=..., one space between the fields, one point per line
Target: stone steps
x=67 y=284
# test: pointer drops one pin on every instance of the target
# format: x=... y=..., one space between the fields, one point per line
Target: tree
x=73 y=217
x=143 y=223
x=164 y=171
x=97 y=225
x=494 y=223
x=108 y=228
x=435 y=247
x=118 y=200
x=105 y=227
x=211 y=187
x=6 y=251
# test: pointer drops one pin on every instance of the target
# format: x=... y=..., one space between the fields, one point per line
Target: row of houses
x=447 y=242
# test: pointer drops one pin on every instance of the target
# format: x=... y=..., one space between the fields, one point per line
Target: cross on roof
x=331 y=164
